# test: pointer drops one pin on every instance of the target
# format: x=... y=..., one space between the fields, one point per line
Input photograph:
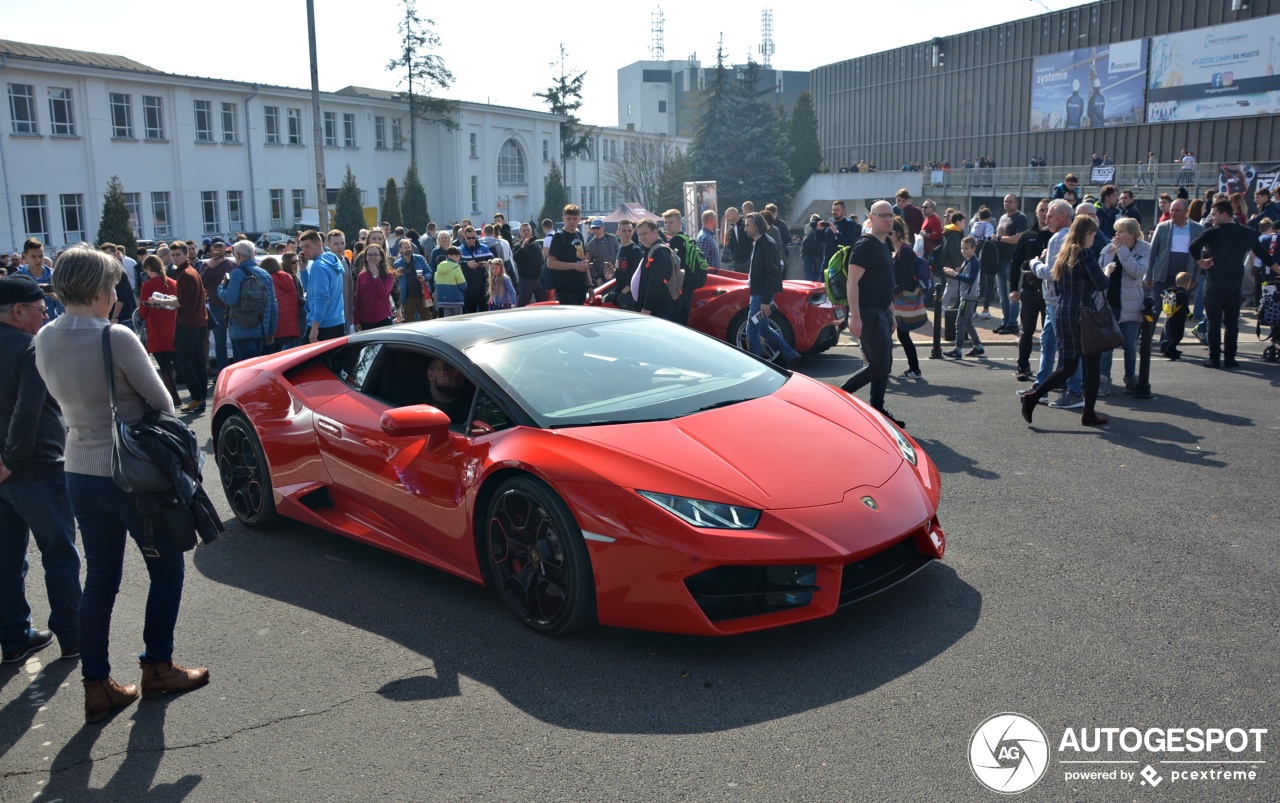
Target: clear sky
x=498 y=51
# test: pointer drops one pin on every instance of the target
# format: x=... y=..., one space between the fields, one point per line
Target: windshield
x=637 y=369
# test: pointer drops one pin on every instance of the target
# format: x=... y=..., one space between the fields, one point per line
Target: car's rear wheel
x=537 y=558
x=738 y=334
x=246 y=478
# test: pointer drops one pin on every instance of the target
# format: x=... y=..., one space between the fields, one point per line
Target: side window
x=489 y=413
x=404 y=378
x=352 y=364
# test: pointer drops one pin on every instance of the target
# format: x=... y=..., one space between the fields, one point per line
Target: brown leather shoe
x=166 y=676
x=101 y=697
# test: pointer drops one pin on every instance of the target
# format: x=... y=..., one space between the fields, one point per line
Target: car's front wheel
x=537 y=558
x=738 y=334
x=246 y=478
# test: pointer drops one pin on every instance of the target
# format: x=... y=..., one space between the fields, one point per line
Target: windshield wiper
x=725 y=403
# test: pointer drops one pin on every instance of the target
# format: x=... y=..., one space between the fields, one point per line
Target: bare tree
x=639 y=176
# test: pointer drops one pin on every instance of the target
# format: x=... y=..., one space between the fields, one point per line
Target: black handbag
x=131 y=466
x=1099 y=331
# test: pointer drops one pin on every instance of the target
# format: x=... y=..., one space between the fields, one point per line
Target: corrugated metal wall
x=895 y=106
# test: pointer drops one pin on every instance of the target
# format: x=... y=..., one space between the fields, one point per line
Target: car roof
x=464 y=331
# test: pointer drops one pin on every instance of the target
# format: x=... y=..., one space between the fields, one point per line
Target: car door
x=416 y=492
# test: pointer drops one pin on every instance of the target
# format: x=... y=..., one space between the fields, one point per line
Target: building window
x=72 y=218
x=475 y=193
x=204 y=121
x=229 y=133
x=380 y=133
x=133 y=202
x=397 y=134
x=662 y=107
x=546 y=151
x=22 y=108
x=330 y=129
x=235 y=210
x=62 y=122
x=121 y=116
x=510 y=163
x=277 y=209
x=348 y=130
x=593 y=197
x=299 y=201
x=582 y=198
x=271 y=122
x=153 y=117
x=160 y=215
x=295 y=126
x=382 y=198
x=475 y=145
x=35 y=217
x=209 y=210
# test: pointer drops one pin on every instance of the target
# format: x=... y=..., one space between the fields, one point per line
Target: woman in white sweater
x=1132 y=255
x=69 y=358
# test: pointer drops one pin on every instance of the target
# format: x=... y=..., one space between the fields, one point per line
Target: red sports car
x=592 y=465
x=804 y=316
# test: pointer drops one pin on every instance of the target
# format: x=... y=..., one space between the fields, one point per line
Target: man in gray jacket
x=1171 y=254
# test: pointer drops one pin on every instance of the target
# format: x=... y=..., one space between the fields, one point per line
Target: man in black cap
x=33 y=496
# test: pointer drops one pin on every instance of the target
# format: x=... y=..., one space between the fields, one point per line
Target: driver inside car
x=451 y=392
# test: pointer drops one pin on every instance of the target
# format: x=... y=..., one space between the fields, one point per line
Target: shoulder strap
x=111 y=376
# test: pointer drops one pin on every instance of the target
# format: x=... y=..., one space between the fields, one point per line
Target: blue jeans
x=249 y=347
x=1049 y=354
x=39 y=508
x=1009 y=309
x=218 y=326
x=812 y=268
x=105 y=513
x=770 y=334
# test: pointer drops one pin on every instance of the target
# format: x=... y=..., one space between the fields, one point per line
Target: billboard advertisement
x=1230 y=70
x=1089 y=88
x=1248 y=178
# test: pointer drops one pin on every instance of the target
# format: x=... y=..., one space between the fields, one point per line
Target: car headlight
x=904 y=446
x=701 y=513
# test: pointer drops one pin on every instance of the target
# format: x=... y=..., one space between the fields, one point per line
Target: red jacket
x=160 y=322
x=286 y=304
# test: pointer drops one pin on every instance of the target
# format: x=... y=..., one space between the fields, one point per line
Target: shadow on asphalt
x=1173 y=405
x=949 y=461
x=602 y=679
x=17 y=716
x=921 y=388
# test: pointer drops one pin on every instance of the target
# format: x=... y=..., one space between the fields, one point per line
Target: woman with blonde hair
x=502 y=293
x=1126 y=259
x=1078 y=279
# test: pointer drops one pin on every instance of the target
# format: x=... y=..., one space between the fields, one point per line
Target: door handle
x=330 y=427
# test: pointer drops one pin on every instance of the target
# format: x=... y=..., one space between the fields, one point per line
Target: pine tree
x=415 y=202
x=114 y=227
x=425 y=68
x=350 y=215
x=711 y=154
x=806 y=151
x=760 y=151
x=554 y=196
x=391 y=205
x=564 y=97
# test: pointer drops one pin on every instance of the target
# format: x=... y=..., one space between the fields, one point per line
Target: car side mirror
x=416 y=421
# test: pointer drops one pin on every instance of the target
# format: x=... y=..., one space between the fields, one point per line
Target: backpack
x=1169 y=301
x=694 y=263
x=924 y=273
x=1269 y=308
x=675 y=285
x=836 y=276
x=248 y=313
x=988 y=255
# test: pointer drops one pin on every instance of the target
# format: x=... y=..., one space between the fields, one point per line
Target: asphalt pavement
x=1121 y=577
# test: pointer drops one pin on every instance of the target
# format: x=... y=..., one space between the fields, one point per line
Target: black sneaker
x=1210 y=363
x=38 y=641
x=888 y=415
x=70 y=650
x=911 y=373
x=976 y=352
x=1023 y=376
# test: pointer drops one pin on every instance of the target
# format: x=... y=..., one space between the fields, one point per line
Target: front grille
x=731 y=592
x=882 y=570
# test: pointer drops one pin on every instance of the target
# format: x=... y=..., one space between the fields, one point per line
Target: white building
x=202 y=156
x=651 y=94
x=590 y=176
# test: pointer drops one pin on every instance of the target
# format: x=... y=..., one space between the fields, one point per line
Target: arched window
x=511 y=163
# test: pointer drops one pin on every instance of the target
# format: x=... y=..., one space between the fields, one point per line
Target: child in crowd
x=450 y=283
x=502 y=293
x=970 y=289
x=1175 y=308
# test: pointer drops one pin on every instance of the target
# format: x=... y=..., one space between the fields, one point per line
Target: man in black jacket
x=33 y=496
x=1221 y=251
x=764 y=280
x=736 y=241
x=649 y=283
x=1032 y=243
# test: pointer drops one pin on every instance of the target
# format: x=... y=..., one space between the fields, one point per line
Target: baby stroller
x=1269 y=317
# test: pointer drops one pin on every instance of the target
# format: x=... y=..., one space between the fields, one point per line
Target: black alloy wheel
x=246 y=478
x=537 y=558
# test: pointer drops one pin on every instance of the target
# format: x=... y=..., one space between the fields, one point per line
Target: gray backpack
x=253 y=302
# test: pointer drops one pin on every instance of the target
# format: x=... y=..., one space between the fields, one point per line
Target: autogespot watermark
x=1009 y=753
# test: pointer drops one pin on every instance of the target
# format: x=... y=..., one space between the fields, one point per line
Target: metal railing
x=1026 y=181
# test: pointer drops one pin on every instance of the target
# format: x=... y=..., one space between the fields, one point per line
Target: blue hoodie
x=324 y=291
x=229 y=293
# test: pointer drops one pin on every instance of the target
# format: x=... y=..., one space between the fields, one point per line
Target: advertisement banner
x=699 y=196
x=1248 y=178
x=1228 y=70
x=1089 y=88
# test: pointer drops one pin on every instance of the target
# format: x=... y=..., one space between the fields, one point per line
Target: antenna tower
x=657 y=51
x=766 y=37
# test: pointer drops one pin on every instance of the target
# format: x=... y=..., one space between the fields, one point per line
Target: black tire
x=245 y=475
x=738 y=334
x=537 y=559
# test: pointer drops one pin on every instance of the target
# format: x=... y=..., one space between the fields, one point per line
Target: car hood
x=806 y=444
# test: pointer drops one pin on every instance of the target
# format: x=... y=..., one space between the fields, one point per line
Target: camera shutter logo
x=1008 y=753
